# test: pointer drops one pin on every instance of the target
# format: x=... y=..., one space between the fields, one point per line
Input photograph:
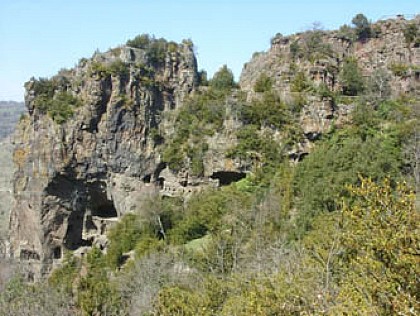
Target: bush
x=379 y=83
x=363 y=29
x=295 y=49
x=269 y=112
x=122 y=238
x=156 y=49
x=140 y=41
x=399 y=69
x=364 y=150
x=59 y=107
x=119 y=68
x=381 y=238
x=411 y=32
x=300 y=83
x=263 y=84
x=44 y=87
x=351 y=78
x=223 y=79
x=346 y=32
x=202 y=115
x=202 y=78
x=97 y=295
x=314 y=47
x=63 y=278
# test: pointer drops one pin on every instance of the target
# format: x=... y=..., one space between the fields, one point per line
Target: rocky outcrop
x=76 y=178
x=91 y=147
x=387 y=59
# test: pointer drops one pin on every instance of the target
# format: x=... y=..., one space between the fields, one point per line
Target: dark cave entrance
x=57 y=252
x=90 y=206
x=227 y=177
x=98 y=202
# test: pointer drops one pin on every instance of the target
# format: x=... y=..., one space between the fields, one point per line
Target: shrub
x=399 y=69
x=97 y=295
x=365 y=150
x=268 y=112
x=346 y=32
x=314 y=47
x=379 y=261
x=223 y=79
x=119 y=68
x=202 y=78
x=295 y=49
x=44 y=87
x=351 y=78
x=122 y=238
x=64 y=277
x=411 y=32
x=140 y=41
x=378 y=83
x=263 y=84
x=202 y=115
x=363 y=29
x=59 y=107
x=300 y=83
x=156 y=49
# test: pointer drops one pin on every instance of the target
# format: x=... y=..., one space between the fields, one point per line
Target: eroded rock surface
x=77 y=175
x=76 y=178
x=387 y=58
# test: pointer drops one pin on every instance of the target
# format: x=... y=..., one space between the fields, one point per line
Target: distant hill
x=10 y=111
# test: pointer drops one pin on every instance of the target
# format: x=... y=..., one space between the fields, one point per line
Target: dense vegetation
x=156 y=48
x=334 y=234
x=202 y=116
x=49 y=99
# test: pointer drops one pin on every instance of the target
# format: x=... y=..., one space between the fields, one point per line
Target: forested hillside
x=290 y=192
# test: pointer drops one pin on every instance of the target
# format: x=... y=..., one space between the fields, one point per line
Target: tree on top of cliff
x=156 y=48
x=362 y=25
x=223 y=79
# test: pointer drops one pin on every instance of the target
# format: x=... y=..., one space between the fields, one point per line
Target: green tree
x=97 y=295
x=263 y=84
x=411 y=32
x=123 y=238
x=362 y=25
x=351 y=78
x=223 y=79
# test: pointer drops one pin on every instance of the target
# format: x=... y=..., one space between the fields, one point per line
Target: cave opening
x=147 y=178
x=227 y=177
x=57 y=252
x=92 y=206
x=160 y=182
x=98 y=201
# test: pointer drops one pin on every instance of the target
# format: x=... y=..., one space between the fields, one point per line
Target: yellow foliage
x=381 y=239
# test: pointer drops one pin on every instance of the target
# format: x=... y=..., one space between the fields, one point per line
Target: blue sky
x=39 y=37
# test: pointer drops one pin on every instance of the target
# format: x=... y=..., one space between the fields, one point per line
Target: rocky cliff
x=100 y=137
x=310 y=65
x=77 y=175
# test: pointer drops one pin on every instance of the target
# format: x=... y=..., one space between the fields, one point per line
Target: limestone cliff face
x=385 y=59
x=75 y=178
